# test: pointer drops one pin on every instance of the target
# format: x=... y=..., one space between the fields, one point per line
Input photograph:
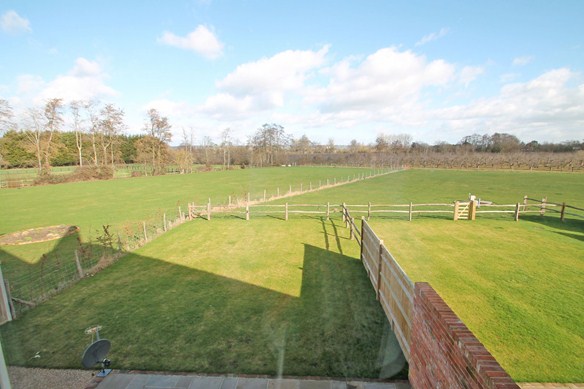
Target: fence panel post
x=542 y=208
x=351 y=233
x=78 y=264
x=286 y=212
x=4 y=300
x=379 y=263
x=517 y=212
x=369 y=211
x=563 y=211
x=247 y=211
x=524 y=203
x=456 y=209
x=411 y=209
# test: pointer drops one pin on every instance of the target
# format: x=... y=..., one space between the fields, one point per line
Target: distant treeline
x=16 y=152
x=92 y=135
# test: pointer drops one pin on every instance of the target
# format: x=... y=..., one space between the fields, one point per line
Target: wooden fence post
x=456 y=209
x=247 y=211
x=209 y=209
x=563 y=211
x=78 y=264
x=472 y=210
x=411 y=209
x=264 y=195
x=5 y=299
x=328 y=211
x=229 y=201
x=524 y=203
x=286 y=212
x=344 y=210
x=362 y=237
x=351 y=228
x=542 y=208
x=369 y=211
x=145 y=234
x=379 y=263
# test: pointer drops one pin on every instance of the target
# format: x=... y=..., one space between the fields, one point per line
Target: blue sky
x=328 y=69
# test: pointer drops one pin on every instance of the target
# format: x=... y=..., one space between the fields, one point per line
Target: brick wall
x=445 y=353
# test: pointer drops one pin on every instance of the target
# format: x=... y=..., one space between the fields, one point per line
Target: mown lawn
x=125 y=203
x=225 y=296
x=517 y=285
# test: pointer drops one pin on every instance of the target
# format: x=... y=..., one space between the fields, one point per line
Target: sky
x=325 y=69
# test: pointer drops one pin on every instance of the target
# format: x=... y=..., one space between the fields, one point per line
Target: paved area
x=154 y=381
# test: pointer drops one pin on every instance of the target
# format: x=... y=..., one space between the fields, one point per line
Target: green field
x=125 y=203
x=517 y=285
x=228 y=296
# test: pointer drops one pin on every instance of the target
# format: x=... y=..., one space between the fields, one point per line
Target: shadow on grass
x=163 y=316
x=571 y=228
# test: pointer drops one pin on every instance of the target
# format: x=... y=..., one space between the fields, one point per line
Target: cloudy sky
x=328 y=69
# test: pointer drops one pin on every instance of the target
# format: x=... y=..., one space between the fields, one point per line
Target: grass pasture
x=228 y=296
x=517 y=285
x=125 y=203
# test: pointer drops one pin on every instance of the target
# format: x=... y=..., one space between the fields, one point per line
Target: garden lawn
x=225 y=296
x=518 y=286
x=125 y=203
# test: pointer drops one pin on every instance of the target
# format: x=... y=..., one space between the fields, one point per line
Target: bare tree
x=226 y=145
x=6 y=115
x=54 y=119
x=110 y=125
x=75 y=107
x=35 y=124
x=268 y=141
x=184 y=154
x=155 y=145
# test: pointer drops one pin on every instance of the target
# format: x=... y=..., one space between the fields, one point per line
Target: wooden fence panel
x=394 y=289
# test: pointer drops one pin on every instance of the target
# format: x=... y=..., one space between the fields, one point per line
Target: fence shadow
x=571 y=228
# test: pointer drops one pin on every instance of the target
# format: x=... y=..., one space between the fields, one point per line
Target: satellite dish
x=97 y=352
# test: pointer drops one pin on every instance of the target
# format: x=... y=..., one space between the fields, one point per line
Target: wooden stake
x=411 y=209
x=351 y=233
x=369 y=211
x=286 y=212
x=562 y=212
x=247 y=212
x=79 y=268
x=542 y=208
x=264 y=195
x=209 y=209
x=379 y=263
x=456 y=209
x=516 y=216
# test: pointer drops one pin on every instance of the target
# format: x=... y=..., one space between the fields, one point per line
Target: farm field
x=226 y=296
x=516 y=285
x=125 y=203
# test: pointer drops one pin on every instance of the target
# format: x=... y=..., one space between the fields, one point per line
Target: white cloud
x=85 y=81
x=264 y=84
x=385 y=82
x=469 y=73
x=12 y=22
x=548 y=107
x=522 y=61
x=432 y=36
x=201 y=40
